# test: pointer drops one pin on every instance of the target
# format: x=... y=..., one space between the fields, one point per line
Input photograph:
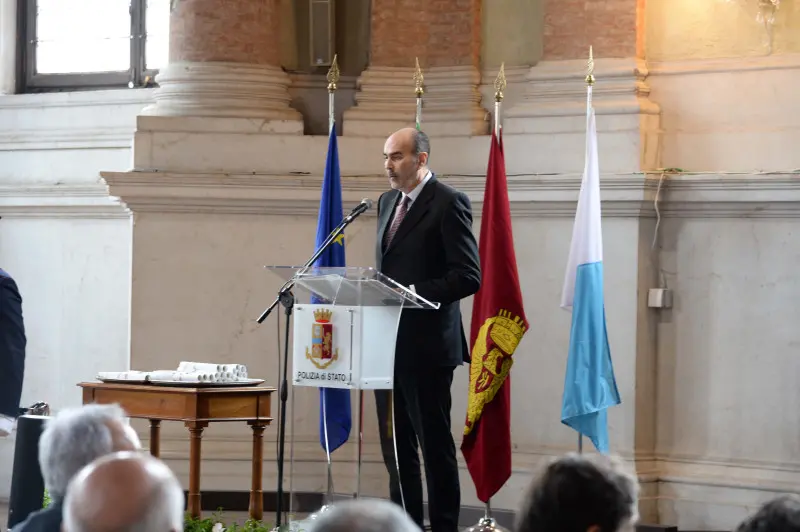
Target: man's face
x=402 y=166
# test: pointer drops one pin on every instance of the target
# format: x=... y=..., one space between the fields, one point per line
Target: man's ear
x=423 y=159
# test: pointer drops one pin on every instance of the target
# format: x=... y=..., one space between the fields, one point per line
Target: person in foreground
x=781 y=514
x=12 y=352
x=425 y=242
x=124 y=492
x=579 y=493
x=364 y=515
x=71 y=440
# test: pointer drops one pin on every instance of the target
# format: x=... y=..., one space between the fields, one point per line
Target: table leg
x=196 y=433
x=256 y=494
x=155 y=437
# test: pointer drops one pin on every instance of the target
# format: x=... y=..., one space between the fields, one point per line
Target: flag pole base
x=318 y=513
x=487 y=523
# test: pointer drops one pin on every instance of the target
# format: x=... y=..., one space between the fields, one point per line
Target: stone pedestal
x=386 y=102
x=445 y=37
x=554 y=110
x=225 y=62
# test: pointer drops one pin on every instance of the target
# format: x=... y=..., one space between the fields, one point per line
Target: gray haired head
x=74 y=438
x=781 y=514
x=364 y=515
x=124 y=492
x=578 y=493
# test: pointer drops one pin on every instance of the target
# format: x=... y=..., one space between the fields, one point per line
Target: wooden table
x=196 y=407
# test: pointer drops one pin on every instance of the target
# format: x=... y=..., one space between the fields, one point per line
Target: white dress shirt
x=412 y=197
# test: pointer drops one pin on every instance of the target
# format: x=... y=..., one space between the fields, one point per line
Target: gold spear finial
x=333 y=75
x=500 y=83
x=419 y=87
x=590 y=69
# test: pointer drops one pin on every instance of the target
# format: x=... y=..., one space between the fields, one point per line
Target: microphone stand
x=286 y=299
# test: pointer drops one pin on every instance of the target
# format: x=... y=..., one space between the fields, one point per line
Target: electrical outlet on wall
x=659 y=298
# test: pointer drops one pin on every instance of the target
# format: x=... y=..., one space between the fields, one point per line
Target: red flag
x=498 y=324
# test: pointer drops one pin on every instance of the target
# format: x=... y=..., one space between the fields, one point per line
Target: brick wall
x=438 y=32
x=238 y=31
x=610 y=26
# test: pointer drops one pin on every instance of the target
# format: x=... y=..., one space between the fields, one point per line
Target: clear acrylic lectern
x=345 y=331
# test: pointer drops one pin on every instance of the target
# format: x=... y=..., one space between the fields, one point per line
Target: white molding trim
x=67 y=139
x=100 y=98
x=60 y=201
x=537 y=196
x=724 y=65
x=775 y=195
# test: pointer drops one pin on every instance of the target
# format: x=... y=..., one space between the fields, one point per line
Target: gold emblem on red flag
x=497 y=340
x=322 y=354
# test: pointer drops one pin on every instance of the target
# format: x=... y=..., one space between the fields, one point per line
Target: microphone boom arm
x=288 y=285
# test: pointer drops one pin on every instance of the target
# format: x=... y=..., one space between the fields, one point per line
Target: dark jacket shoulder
x=45 y=520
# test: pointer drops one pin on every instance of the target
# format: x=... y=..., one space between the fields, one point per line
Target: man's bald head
x=406 y=153
x=124 y=492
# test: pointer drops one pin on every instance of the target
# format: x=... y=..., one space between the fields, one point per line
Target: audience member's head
x=364 y=515
x=581 y=494
x=77 y=436
x=778 y=515
x=124 y=492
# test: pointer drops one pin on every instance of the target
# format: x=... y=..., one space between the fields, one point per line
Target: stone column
x=224 y=62
x=445 y=35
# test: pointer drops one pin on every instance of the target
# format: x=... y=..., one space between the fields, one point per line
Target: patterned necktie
x=402 y=209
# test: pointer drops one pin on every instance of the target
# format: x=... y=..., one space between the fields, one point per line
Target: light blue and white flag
x=589 y=385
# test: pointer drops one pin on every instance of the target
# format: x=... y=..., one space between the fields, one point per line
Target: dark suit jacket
x=435 y=250
x=45 y=520
x=12 y=346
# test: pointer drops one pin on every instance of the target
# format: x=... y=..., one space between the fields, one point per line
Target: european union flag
x=334 y=404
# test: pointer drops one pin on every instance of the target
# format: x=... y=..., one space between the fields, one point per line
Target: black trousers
x=421 y=419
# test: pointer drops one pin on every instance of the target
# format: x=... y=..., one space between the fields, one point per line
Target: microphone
x=362 y=207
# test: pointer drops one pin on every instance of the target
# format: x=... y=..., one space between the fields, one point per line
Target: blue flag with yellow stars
x=334 y=403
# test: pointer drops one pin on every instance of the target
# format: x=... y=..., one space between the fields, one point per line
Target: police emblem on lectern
x=322 y=353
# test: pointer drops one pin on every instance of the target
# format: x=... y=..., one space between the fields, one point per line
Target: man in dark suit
x=12 y=352
x=425 y=242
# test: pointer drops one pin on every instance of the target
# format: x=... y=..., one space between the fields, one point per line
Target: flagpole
x=589 y=84
x=419 y=90
x=333 y=80
x=589 y=81
x=499 y=89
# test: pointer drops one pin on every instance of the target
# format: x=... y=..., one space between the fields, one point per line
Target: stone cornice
x=77 y=99
x=721 y=65
x=67 y=138
x=629 y=195
x=59 y=201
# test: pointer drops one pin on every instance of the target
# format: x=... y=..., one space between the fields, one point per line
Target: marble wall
x=64 y=240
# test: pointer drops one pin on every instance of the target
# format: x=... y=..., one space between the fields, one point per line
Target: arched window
x=85 y=44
